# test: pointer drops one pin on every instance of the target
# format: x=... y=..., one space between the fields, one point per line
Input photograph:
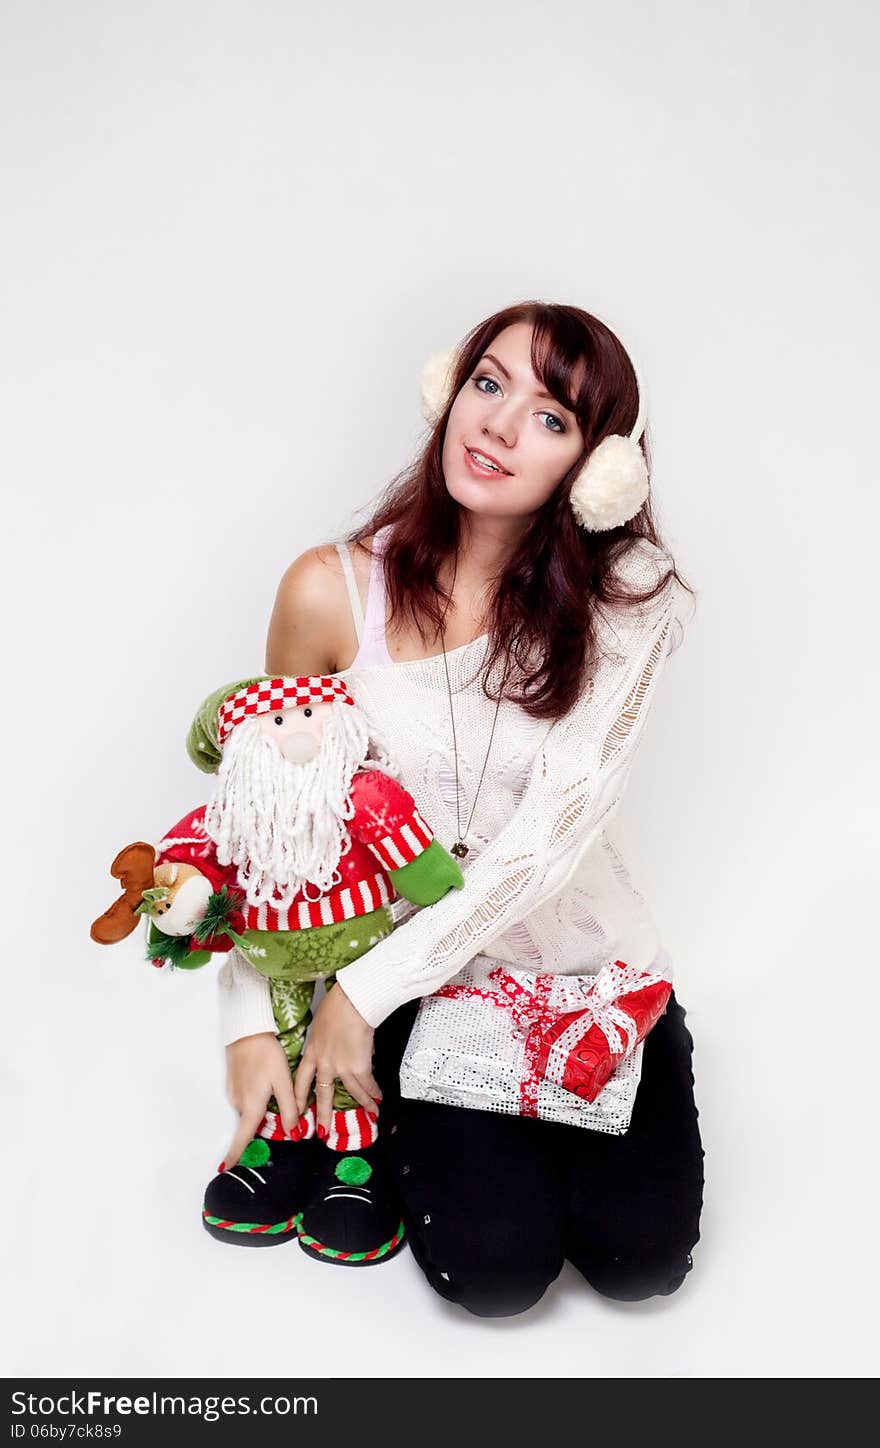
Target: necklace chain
x=459 y=848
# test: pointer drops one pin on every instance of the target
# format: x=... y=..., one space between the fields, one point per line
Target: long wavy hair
x=543 y=602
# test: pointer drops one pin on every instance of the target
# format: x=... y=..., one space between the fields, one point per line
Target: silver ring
x=324 y=1083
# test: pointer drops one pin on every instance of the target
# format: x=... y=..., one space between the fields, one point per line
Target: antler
x=133 y=867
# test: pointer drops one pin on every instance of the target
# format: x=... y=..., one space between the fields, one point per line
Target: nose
x=498 y=426
x=299 y=748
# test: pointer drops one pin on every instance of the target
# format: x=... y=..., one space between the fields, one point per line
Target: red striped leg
x=351 y=1130
x=272 y=1129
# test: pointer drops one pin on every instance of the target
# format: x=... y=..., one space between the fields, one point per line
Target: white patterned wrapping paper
x=465 y=1052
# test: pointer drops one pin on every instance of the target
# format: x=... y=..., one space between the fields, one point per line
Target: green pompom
x=353 y=1171
x=256 y=1153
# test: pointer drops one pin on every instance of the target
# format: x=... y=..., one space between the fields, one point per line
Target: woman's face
x=502 y=411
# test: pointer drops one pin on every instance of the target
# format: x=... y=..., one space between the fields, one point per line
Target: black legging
x=494 y=1204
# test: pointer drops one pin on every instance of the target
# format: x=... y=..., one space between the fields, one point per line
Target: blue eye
x=483 y=378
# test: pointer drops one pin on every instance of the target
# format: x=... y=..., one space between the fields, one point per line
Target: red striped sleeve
x=403 y=844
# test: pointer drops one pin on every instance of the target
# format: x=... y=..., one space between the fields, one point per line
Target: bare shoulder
x=311 y=618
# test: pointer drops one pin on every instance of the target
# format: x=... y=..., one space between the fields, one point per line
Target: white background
x=233 y=233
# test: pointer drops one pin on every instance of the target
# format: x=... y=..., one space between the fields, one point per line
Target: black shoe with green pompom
x=259 y=1201
x=352 y=1216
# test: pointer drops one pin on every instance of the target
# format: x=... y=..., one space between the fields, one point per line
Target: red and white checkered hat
x=265 y=695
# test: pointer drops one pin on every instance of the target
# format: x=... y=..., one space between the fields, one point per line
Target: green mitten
x=428 y=877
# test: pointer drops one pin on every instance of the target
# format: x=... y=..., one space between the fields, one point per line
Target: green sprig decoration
x=173 y=948
x=221 y=907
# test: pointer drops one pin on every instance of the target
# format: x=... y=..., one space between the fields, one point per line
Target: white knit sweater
x=545 y=888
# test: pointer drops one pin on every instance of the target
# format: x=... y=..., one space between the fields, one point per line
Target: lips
x=481 y=471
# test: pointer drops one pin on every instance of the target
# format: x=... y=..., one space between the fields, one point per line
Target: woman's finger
x=324 y=1089
x=284 y=1095
x=302 y=1084
x=248 y=1124
x=356 y=1086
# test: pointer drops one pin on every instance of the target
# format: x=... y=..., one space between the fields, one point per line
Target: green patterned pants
x=294 y=960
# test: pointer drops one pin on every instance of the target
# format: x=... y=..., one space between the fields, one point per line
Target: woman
x=512 y=673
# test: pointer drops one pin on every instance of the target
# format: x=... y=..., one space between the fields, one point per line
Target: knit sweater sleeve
x=576 y=783
x=245 y=1003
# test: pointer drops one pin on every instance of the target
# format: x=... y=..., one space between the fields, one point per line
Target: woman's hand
x=339 y=1045
x=257 y=1068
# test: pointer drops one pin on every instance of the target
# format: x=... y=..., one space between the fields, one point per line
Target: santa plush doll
x=293 y=862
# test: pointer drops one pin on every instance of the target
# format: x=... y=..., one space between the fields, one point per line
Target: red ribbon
x=532 y=1015
x=539 y=1023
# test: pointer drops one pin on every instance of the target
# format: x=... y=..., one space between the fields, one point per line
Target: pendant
x=460 y=849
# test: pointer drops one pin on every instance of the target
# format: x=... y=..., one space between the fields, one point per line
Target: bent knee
x=488 y=1281
x=636 y=1276
x=504 y=1292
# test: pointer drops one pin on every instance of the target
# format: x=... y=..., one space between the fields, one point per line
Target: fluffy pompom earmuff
x=436 y=384
x=611 y=486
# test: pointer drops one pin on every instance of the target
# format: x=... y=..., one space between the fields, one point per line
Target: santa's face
x=298 y=730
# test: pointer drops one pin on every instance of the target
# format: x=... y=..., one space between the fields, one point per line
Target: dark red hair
x=543 y=601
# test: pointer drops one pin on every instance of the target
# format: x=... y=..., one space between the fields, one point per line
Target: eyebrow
x=487 y=357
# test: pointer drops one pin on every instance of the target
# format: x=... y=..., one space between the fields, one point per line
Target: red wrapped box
x=580 y=1049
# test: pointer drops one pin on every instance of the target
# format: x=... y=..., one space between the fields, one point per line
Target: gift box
x=564 y=1048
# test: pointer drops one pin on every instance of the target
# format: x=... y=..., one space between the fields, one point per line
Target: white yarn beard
x=283 y=824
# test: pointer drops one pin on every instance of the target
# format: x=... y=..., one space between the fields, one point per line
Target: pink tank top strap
x=373 y=648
